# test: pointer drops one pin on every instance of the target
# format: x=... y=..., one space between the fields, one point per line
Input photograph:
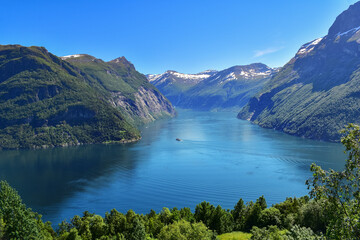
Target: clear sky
x=186 y=36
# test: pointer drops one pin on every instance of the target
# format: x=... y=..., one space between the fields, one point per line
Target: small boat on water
x=178 y=139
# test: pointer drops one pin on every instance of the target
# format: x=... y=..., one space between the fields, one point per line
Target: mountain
x=318 y=91
x=126 y=89
x=173 y=84
x=46 y=101
x=211 y=90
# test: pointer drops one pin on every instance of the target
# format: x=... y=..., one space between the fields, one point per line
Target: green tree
x=299 y=233
x=221 y=221
x=270 y=216
x=204 y=212
x=341 y=189
x=166 y=216
x=314 y=215
x=238 y=214
x=187 y=215
x=270 y=233
x=261 y=202
x=183 y=230
x=253 y=212
x=137 y=230
x=18 y=221
x=116 y=222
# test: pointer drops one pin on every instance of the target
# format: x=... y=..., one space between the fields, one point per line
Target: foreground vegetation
x=330 y=212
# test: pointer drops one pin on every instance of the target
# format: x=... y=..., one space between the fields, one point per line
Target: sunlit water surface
x=220 y=159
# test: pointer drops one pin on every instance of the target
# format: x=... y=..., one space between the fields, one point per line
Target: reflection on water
x=219 y=160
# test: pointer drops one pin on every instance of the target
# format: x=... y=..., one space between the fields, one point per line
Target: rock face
x=126 y=89
x=318 y=91
x=149 y=105
x=47 y=101
x=213 y=90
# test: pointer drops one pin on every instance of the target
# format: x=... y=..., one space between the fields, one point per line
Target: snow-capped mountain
x=211 y=89
x=173 y=76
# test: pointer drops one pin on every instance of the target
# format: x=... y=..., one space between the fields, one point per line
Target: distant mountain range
x=50 y=101
x=318 y=91
x=212 y=90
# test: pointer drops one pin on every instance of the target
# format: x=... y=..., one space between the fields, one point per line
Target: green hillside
x=44 y=101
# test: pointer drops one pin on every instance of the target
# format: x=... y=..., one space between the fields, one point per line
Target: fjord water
x=220 y=159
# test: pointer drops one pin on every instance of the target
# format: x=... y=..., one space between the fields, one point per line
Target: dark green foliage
x=221 y=221
x=270 y=233
x=339 y=190
x=183 y=230
x=116 y=222
x=298 y=233
x=274 y=233
x=136 y=230
x=207 y=221
x=203 y=213
x=314 y=215
x=239 y=215
x=270 y=216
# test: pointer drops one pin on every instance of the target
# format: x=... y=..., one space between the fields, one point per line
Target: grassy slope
x=45 y=102
x=235 y=236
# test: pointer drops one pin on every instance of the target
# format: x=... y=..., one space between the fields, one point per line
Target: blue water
x=220 y=159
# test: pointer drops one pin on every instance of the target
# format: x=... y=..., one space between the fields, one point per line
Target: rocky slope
x=213 y=90
x=46 y=101
x=126 y=89
x=318 y=91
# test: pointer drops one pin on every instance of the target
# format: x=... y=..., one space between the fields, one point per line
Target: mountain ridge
x=211 y=89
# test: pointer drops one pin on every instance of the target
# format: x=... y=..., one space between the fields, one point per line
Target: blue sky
x=186 y=36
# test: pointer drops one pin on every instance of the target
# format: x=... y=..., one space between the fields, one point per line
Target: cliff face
x=125 y=88
x=148 y=105
x=318 y=91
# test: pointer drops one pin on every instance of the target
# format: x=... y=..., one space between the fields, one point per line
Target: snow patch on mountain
x=72 y=56
x=349 y=31
x=306 y=48
x=153 y=77
x=159 y=78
